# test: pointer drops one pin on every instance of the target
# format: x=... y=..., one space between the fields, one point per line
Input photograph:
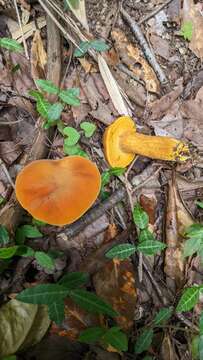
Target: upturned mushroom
x=122 y=143
x=58 y=192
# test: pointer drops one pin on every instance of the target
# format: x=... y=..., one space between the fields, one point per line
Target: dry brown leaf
x=177 y=219
x=22 y=79
x=115 y=283
x=87 y=65
x=160 y=46
x=148 y=201
x=193 y=12
x=38 y=57
x=29 y=29
x=167 y=350
x=134 y=60
x=9 y=151
x=112 y=87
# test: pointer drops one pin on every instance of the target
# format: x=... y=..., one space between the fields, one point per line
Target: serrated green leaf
x=140 y=217
x=82 y=50
x=7 y=253
x=70 y=96
x=36 y=94
x=188 y=299
x=116 y=338
x=122 y=251
x=44 y=260
x=91 y=302
x=30 y=231
x=99 y=45
x=199 y=204
x=43 y=107
x=73 y=136
x=192 y=246
x=201 y=323
x=74 y=280
x=88 y=127
x=187 y=30
x=146 y=235
x=195 y=230
x=4 y=235
x=47 y=86
x=150 y=247
x=91 y=335
x=117 y=171
x=163 y=316
x=55 y=111
x=43 y=294
x=57 y=312
x=24 y=251
x=10 y=44
x=144 y=341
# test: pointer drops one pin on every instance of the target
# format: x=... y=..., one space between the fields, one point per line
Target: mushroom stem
x=154 y=147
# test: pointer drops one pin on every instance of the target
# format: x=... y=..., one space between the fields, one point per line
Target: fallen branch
x=145 y=47
x=12 y=212
x=154 y=12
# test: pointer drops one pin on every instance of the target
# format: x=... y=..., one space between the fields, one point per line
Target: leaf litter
x=116 y=82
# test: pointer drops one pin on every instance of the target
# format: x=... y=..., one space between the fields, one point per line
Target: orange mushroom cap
x=58 y=192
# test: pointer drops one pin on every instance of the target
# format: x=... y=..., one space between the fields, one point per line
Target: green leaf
x=71 y=150
x=199 y=203
x=55 y=111
x=117 y=171
x=144 y=341
x=36 y=94
x=188 y=299
x=195 y=230
x=163 y=316
x=12 y=357
x=148 y=357
x=105 y=178
x=57 y=312
x=116 y=338
x=140 y=217
x=25 y=251
x=74 y=3
x=187 y=30
x=1 y=200
x=47 y=86
x=146 y=235
x=74 y=280
x=43 y=107
x=7 y=253
x=192 y=246
x=91 y=335
x=38 y=222
x=91 y=302
x=10 y=44
x=201 y=323
x=43 y=294
x=30 y=231
x=88 y=128
x=99 y=45
x=82 y=50
x=70 y=96
x=44 y=260
x=200 y=347
x=73 y=136
x=122 y=251
x=4 y=235
x=150 y=247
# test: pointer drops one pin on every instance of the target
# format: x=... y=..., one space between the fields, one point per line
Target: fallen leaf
x=38 y=57
x=115 y=283
x=177 y=219
x=193 y=12
x=9 y=151
x=28 y=29
x=160 y=46
x=22 y=78
x=148 y=202
x=167 y=350
x=134 y=60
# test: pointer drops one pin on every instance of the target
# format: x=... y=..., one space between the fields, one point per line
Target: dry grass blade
x=112 y=87
x=29 y=29
x=80 y=13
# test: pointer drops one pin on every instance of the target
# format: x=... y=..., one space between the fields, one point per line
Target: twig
x=146 y=49
x=187 y=321
x=7 y=173
x=124 y=69
x=21 y=29
x=154 y=12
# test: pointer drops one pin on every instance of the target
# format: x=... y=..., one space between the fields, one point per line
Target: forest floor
x=154 y=51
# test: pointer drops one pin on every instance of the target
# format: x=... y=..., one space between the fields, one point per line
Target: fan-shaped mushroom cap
x=114 y=154
x=58 y=192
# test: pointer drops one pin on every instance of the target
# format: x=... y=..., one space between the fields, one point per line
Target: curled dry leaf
x=193 y=13
x=177 y=219
x=115 y=283
x=38 y=57
x=134 y=60
x=21 y=324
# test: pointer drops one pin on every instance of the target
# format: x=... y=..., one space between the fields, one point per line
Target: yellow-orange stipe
x=58 y=192
x=122 y=143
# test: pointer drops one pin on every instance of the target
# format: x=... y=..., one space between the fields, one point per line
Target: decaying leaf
x=38 y=57
x=148 y=202
x=29 y=29
x=134 y=60
x=112 y=87
x=177 y=219
x=21 y=324
x=167 y=350
x=115 y=283
x=192 y=12
x=76 y=320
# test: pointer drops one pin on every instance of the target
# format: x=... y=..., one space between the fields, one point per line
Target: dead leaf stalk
x=21 y=29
